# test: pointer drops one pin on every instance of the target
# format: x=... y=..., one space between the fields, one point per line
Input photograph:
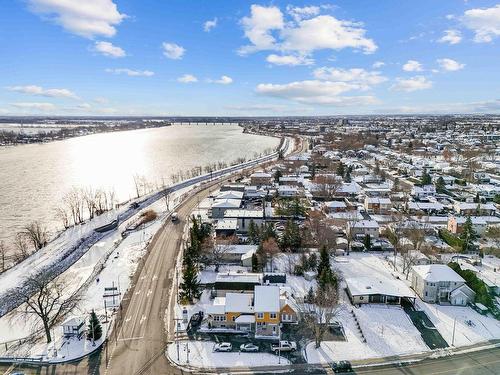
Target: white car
x=223 y=347
x=249 y=347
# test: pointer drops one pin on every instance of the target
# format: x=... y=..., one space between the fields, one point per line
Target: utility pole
x=453 y=337
x=176 y=320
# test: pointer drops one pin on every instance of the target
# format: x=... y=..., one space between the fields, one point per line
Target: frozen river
x=34 y=178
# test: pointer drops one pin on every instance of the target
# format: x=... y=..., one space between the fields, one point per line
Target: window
x=272 y=315
x=260 y=315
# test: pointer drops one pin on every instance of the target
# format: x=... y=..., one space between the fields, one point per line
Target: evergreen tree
x=313 y=171
x=426 y=179
x=313 y=261
x=255 y=263
x=468 y=235
x=277 y=175
x=440 y=185
x=367 y=242
x=347 y=177
x=253 y=233
x=340 y=169
x=309 y=298
x=325 y=274
x=190 y=288
x=94 y=329
x=292 y=239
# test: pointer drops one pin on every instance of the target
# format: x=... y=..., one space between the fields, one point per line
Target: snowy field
x=470 y=326
x=201 y=355
x=387 y=329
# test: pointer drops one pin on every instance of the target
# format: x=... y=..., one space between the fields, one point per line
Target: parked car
x=175 y=216
x=284 y=346
x=223 y=347
x=249 y=347
x=341 y=366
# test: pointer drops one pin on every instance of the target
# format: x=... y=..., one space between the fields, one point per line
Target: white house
x=73 y=326
x=423 y=191
x=363 y=227
x=438 y=283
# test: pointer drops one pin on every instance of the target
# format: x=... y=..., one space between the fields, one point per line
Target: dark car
x=341 y=367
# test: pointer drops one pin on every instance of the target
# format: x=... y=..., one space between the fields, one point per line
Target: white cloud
x=88 y=18
x=223 y=80
x=131 y=72
x=451 y=37
x=187 y=78
x=301 y=35
x=315 y=92
x=108 y=49
x=450 y=65
x=326 y=32
x=209 y=25
x=357 y=76
x=40 y=91
x=412 y=66
x=484 y=22
x=173 y=51
x=412 y=84
x=258 y=28
x=34 y=106
x=378 y=64
x=292 y=60
x=300 y=13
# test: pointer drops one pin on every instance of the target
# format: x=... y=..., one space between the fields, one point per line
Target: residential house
x=261 y=179
x=475 y=209
x=361 y=228
x=377 y=289
x=423 y=191
x=73 y=326
x=244 y=217
x=456 y=224
x=220 y=206
x=377 y=205
x=438 y=283
x=267 y=311
x=242 y=282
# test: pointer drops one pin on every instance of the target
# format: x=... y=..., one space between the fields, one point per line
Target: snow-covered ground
x=470 y=326
x=387 y=329
x=201 y=355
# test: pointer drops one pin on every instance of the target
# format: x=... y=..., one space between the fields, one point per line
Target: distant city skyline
x=240 y=58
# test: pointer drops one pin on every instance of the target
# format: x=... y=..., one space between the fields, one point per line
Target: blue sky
x=177 y=57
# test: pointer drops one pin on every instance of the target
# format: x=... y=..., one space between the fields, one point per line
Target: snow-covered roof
x=237 y=249
x=256 y=214
x=227 y=224
x=241 y=277
x=267 y=298
x=227 y=203
x=437 y=272
x=239 y=302
x=261 y=175
x=245 y=319
x=335 y=204
x=229 y=194
x=365 y=224
x=365 y=285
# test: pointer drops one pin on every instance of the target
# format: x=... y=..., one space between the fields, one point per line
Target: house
x=438 y=283
x=244 y=217
x=424 y=207
x=456 y=224
x=234 y=311
x=288 y=191
x=243 y=282
x=423 y=191
x=267 y=311
x=377 y=205
x=362 y=228
x=377 y=289
x=234 y=253
x=261 y=178
x=289 y=311
x=334 y=206
x=226 y=227
x=73 y=327
x=220 y=206
x=475 y=209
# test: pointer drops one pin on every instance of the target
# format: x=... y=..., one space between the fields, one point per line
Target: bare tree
x=49 y=302
x=271 y=249
x=317 y=315
x=21 y=246
x=328 y=185
x=62 y=215
x=37 y=234
x=3 y=255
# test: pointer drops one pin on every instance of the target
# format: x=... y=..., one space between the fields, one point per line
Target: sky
x=240 y=58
